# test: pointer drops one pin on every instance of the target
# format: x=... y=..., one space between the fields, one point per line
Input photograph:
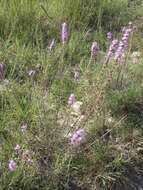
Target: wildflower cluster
x=17 y=149
x=26 y=155
x=77 y=136
x=123 y=42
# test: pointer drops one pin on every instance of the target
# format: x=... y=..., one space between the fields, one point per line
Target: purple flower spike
x=130 y=23
x=23 y=127
x=134 y=27
x=41 y=5
x=1 y=66
x=64 y=32
x=77 y=136
x=26 y=154
x=109 y=54
x=28 y=160
x=38 y=66
x=76 y=75
x=94 y=47
x=112 y=48
x=17 y=147
x=71 y=99
x=32 y=73
x=51 y=44
x=123 y=29
x=5 y=81
x=109 y=35
x=12 y=165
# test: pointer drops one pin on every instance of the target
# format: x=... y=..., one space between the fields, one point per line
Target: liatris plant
x=41 y=5
x=17 y=147
x=64 y=37
x=26 y=156
x=76 y=75
x=109 y=35
x=23 y=128
x=71 y=99
x=31 y=73
x=122 y=47
x=12 y=165
x=5 y=81
x=118 y=55
x=77 y=136
x=112 y=49
x=94 y=47
x=1 y=69
x=130 y=23
x=93 y=51
x=122 y=44
x=64 y=32
x=38 y=66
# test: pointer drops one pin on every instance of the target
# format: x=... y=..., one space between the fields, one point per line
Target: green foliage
x=118 y=100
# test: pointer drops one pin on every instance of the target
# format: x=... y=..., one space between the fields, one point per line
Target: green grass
x=111 y=111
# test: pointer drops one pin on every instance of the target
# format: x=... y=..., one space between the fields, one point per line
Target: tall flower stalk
x=118 y=55
x=64 y=32
x=95 y=91
x=64 y=35
x=125 y=39
x=93 y=51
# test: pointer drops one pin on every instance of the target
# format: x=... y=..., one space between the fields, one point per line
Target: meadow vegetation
x=71 y=91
